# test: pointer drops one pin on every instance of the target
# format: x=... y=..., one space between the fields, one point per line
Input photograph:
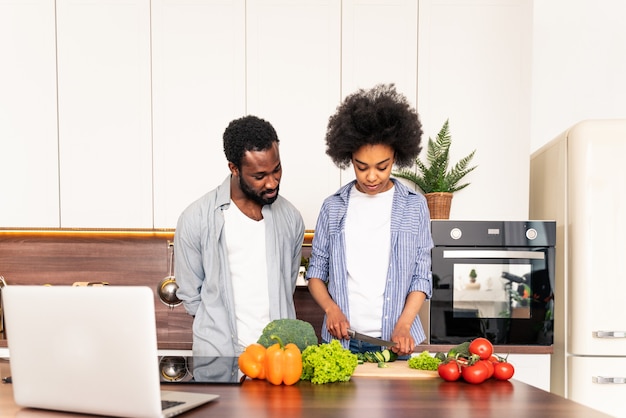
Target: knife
x=372 y=340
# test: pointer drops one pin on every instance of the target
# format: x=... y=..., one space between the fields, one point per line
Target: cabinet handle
x=609 y=334
x=608 y=380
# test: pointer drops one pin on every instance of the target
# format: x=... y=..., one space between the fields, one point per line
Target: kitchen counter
x=362 y=396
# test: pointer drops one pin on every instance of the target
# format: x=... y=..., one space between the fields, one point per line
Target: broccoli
x=327 y=363
x=296 y=331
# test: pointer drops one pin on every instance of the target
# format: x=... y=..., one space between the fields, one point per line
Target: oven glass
x=503 y=294
x=485 y=290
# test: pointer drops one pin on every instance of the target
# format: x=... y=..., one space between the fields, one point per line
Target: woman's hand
x=336 y=322
x=401 y=334
x=405 y=344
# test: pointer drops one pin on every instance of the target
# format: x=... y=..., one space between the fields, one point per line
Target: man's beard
x=257 y=197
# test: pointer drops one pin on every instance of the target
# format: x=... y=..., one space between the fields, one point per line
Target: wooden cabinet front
x=119 y=257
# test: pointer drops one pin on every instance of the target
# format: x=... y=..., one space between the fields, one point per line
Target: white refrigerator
x=579 y=180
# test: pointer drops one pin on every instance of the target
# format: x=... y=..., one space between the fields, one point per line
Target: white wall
x=579 y=65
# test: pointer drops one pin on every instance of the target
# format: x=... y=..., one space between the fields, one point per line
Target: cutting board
x=395 y=370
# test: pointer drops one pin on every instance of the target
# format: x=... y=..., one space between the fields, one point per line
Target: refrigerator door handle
x=608 y=380
x=609 y=334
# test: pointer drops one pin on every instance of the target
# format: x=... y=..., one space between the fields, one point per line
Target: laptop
x=88 y=350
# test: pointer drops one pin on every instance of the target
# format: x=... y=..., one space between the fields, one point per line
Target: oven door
x=502 y=294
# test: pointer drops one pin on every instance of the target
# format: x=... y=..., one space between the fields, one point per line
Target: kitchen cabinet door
x=198 y=77
x=29 y=173
x=379 y=45
x=598 y=382
x=105 y=144
x=475 y=70
x=293 y=80
x=533 y=369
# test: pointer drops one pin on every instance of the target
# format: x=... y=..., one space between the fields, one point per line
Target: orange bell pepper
x=283 y=363
x=252 y=361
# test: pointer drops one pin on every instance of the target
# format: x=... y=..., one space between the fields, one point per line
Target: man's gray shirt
x=203 y=276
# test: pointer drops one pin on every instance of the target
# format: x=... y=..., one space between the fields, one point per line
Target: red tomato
x=503 y=371
x=449 y=371
x=476 y=373
x=482 y=347
x=489 y=366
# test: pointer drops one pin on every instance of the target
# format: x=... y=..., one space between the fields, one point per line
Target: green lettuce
x=327 y=363
x=424 y=361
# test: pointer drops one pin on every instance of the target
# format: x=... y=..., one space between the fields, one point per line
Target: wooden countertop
x=361 y=397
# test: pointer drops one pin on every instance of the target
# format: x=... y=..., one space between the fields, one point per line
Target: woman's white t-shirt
x=368 y=243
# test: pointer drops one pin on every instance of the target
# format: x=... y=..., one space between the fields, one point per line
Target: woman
x=370 y=266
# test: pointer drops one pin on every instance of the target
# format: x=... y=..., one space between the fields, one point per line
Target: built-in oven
x=492 y=279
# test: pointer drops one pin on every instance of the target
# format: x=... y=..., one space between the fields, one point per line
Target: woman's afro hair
x=380 y=115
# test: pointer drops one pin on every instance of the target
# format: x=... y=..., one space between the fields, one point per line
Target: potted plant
x=435 y=178
x=473 y=284
x=473 y=275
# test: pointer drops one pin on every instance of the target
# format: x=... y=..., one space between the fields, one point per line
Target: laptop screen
x=206 y=370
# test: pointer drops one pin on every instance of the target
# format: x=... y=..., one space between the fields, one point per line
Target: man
x=238 y=248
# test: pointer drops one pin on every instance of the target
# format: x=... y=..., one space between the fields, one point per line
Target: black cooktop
x=203 y=370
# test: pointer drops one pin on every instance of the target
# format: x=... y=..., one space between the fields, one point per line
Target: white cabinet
x=533 y=369
x=105 y=143
x=475 y=70
x=29 y=172
x=293 y=81
x=598 y=382
x=146 y=88
x=379 y=45
x=198 y=87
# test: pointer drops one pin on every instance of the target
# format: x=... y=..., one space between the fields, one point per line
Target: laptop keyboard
x=169 y=404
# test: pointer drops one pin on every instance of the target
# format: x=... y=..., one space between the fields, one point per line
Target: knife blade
x=372 y=340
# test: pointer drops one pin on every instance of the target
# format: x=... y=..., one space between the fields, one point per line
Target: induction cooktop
x=203 y=370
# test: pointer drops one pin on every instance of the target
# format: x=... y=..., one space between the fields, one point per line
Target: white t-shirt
x=368 y=243
x=245 y=240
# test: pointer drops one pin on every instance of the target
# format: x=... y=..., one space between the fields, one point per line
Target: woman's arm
x=336 y=321
x=402 y=331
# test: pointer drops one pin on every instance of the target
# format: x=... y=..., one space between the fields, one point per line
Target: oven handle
x=535 y=255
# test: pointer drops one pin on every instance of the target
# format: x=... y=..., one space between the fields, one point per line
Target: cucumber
x=370 y=357
x=384 y=356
